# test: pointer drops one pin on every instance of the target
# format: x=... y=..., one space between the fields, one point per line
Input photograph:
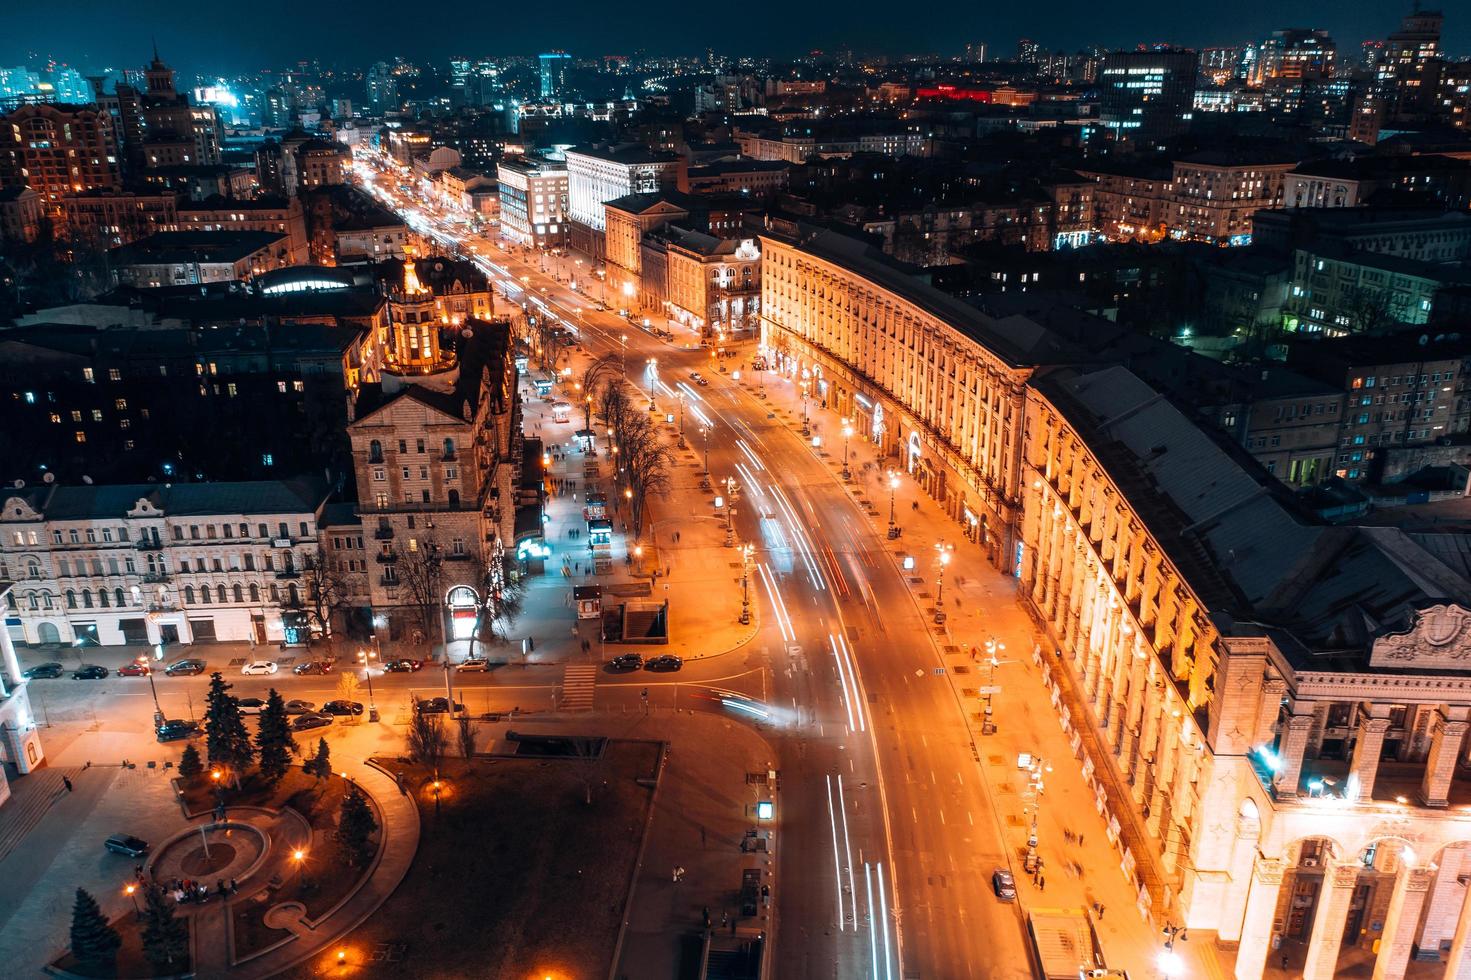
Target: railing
x=387 y=557
x=450 y=456
x=165 y=606
x=383 y=534
x=149 y=544
x=156 y=576
x=289 y=573
x=388 y=580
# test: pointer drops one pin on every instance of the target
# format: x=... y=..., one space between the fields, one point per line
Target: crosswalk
x=578 y=683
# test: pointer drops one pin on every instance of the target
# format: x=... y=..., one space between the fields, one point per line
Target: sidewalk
x=981 y=604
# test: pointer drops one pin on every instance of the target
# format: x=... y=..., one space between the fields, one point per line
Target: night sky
x=241 y=37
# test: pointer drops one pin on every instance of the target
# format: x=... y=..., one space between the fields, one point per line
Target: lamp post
x=893 y=486
x=130 y=889
x=157 y=709
x=847 y=434
x=944 y=552
x=366 y=658
x=994 y=648
x=746 y=550
x=680 y=396
x=806 y=429
x=705 y=431
x=653 y=382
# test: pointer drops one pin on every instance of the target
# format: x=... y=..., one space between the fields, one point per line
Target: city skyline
x=109 y=38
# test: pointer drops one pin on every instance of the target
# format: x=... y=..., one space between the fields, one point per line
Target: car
x=296 y=706
x=44 y=670
x=1003 y=885
x=627 y=661
x=251 y=706
x=473 y=664
x=176 y=728
x=259 y=667
x=402 y=666
x=436 y=706
x=193 y=665
x=697 y=377
x=313 y=667
x=702 y=381
x=343 y=708
x=90 y=672
x=667 y=661
x=126 y=844
x=302 y=723
x=134 y=669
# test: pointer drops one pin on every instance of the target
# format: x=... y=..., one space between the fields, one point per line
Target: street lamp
x=847 y=433
x=893 y=486
x=944 y=551
x=806 y=429
x=366 y=658
x=129 y=890
x=638 y=554
x=746 y=550
x=680 y=395
x=705 y=431
x=157 y=709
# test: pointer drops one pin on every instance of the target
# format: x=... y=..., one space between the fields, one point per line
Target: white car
x=259 y=667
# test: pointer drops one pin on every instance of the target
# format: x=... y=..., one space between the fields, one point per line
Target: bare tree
x=593 y=376
x=614 y=405
x=466 y=734
x=644 y=464
x=1370 y=310
x=427 y=738
x=589 y=753
x=326 y=592
x=420 y=571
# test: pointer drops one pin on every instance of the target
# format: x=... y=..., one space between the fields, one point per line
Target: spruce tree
x=225 y=737
x=355 y=825
x=93 y=940
x=320 y=765
x=274 y=739
x=165 y=937
x=190 y=765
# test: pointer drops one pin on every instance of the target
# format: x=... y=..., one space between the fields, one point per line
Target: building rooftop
x=195 y=246
x=299 y=495
x=630 y=154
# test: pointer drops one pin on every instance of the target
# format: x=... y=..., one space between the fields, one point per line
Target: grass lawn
x=318 y=801
x=130 y=959
x=516 y=876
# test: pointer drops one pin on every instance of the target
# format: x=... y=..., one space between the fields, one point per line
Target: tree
x=165 y=937
x=190 y=764
x=1370 y=310
x=594 y=375
x=326 y=592
x=427 y=738
x=589 y=753
x=420 y=573
x=93 y=940
x=355 y=825
x=466 y=733
x=319 y=765
x=347 y=688
x=274 y=740
x=225 y=737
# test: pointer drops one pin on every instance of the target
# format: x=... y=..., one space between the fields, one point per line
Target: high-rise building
x=975 y=52
x=533 y=201
x=57 y=150
x=1406 y=79
x=553 y=67
x=1147 y=96
x=382 y=88
x=597 y=175
x=1296 y=54
x=1028 y=51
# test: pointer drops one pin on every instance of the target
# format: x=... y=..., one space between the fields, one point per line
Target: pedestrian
x=914 y=505
x=1100 y=913
x=707 y=917
x=220 y=887
x=1041 y=883
x=66 y=781
x=138 y=871
x=233 y=887
x=1080 y=840
x=1284 y=962
x=724 y=918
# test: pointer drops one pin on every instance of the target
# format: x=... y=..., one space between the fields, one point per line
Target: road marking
x=941 y=812
x=832 y=820
x=848 y=850
x=873 y=935
x=970 y=818
x=884 y=907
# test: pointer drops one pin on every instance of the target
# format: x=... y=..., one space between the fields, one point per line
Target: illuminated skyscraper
x=554 y=67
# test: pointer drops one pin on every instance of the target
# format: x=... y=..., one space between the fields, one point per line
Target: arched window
x=87 y=598
x=449 y=449
x=275 y=593
x=375 y=451
x=102 y=598
x=35 y=604
x=117 y=594
x=204 y=594
x=71 y=599
x=239 y=593
x=33 y=568
x=220 y=592
x=189 y=594
x=292 y=595
x=254 y=592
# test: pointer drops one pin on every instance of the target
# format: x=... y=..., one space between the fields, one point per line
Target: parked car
x=193 y=665
x=297 y=706
x=474 y=664
x=259 y=667
x=134 y=668
x=90 y=672
x=1003 y=885
x=402 y=666
x=436 y=706
x=44 y=670
x=302 y=723
x=251 y=706
x=177 y=728
x=343 y=708
x=627 y=661
x=667 y=661
x=313 y=667
x=126 y=844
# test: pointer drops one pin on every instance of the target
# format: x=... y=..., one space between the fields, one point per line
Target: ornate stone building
x=1272 y=713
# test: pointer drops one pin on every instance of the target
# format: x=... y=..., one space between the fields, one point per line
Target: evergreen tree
x=93 y=940
x=320 y=765
x=274 y=738
x=165 y=937
x=225 y=737
x=355 y=825
x=190 y=765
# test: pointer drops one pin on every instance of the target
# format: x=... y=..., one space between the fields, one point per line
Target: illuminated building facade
x=58 y=150
x=1272 y=713
x=1147 y=96
x=20 y=738
x=533 y=201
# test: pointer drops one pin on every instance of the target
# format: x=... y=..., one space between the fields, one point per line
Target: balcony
x=460 y=556
x=156 y=576
x=149 y=544
x=387 y=557
x=163 y=605
x=383 y=534
x=289 y=573
x=450 y=456
x=375 y=457
x=388 y=579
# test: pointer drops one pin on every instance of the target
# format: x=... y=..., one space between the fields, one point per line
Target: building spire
x=155 y=49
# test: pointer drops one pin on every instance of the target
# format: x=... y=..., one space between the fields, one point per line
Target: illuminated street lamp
x=893 y=486
x=705 y=431
x=746 y=550
x=944 y=551
x=847 y=434
x=157 y=709
x=130 y=889
x=366 y=658
x=680 y=395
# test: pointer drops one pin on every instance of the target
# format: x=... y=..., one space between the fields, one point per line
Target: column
x=1443 y=904
x=1458 y=965
x=1332 y=915
x=1447 y=731
x=12 y=675
x=1293 y=744
x=1268 y=710
x=1410 y=888
x=1256 y=925
x=1365 y=764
